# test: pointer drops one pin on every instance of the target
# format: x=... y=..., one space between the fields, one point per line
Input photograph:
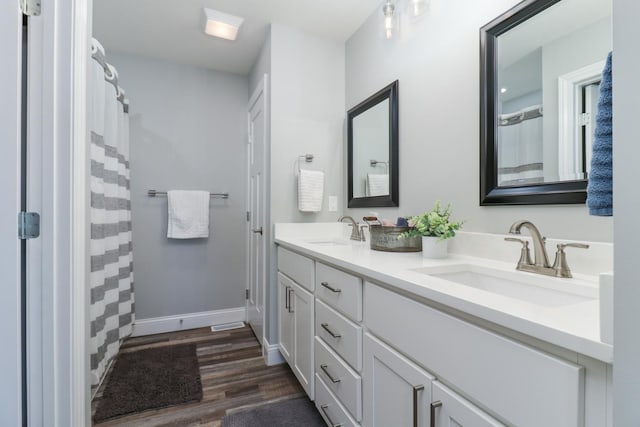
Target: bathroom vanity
x=392 y=339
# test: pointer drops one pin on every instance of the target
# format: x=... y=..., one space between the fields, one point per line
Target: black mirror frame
x=392 y=199
x=565 y=192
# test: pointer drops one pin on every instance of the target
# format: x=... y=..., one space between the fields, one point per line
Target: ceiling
x=171 y=29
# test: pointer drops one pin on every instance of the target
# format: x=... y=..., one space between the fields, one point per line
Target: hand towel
x=310 y=190
x=600 y=187
x=188 y=214
x=377 y=184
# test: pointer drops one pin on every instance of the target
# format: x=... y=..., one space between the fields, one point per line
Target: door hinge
x=248 y=216
x=246 y=294
x=30 y=7
x=28 y=225
x=585 y=119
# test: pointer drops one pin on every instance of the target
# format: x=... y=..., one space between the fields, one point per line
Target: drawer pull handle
x=324 y=411
x=434 y=405
x=325 y=326
x=416 y=389
x=290 y=291
x=326 y=372
x=286 y=297
x=331 y=288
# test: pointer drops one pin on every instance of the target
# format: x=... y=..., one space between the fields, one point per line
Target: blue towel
x=402 y=222
x=600 y=187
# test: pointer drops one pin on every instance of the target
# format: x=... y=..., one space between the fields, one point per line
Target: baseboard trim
x=158 y=325
x=271 y=353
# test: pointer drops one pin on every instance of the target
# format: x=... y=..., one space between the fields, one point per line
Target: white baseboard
x=271 y=353
x=158 y=325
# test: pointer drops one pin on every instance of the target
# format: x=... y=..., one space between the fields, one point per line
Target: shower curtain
x=520 y=147
x=111 y=278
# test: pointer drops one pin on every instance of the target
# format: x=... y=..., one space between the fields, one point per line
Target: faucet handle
x=525 y=254
x=560 y=264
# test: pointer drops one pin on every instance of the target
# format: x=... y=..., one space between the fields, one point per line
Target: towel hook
x=308 y=158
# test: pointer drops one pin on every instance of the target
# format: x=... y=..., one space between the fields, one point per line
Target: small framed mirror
x=372 y=133
x=541 y=65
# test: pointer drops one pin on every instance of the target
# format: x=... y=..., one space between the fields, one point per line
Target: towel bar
x=154 y=193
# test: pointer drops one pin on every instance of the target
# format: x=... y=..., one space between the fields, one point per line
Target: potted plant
x=436 y=228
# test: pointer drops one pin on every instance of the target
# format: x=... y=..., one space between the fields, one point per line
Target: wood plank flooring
x=234 y=377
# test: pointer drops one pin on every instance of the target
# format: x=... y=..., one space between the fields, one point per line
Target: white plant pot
x=433 y=247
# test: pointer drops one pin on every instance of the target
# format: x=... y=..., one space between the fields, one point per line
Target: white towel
x=188 y=214
x=310 y=190
x=377 y=184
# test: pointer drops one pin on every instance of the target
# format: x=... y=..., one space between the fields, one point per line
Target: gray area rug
x=149 y=379
x=290 y=413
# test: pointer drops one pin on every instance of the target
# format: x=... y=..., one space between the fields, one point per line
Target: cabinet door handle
x=326 y=372
x=257 y=231
x=331 y=288
x=324 y=411
x=325 y=326
x=416 y=389
x=286 y=297
x=434 y=405
x=290 y=302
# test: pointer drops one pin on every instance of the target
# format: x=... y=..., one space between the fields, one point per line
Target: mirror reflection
x=548 y=72
x=371 y=151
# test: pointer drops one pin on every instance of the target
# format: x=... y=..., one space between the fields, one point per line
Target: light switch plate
x=333 y=203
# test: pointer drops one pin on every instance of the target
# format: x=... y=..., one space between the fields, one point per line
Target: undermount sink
x=535 y=289
x=329 y=242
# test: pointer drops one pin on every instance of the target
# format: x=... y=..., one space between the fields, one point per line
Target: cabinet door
x=301 y=303
x=452 y=410
x=285 y=317
x=396 y=391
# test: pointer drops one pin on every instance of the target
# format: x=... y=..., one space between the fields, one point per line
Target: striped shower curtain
x=111 y=279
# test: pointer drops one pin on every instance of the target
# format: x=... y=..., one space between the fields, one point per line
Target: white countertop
x=575 y=327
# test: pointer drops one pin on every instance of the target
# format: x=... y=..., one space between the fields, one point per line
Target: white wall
x=626 y=152
x=188 y=131
x=307 y=116
x=436 y=61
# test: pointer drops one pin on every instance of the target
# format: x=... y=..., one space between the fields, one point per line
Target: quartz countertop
x=575 y=327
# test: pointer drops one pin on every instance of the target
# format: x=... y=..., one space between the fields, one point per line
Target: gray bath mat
x=149 y=379
x=290 y=413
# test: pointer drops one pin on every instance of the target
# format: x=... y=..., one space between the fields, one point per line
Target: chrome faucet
x=540 y=262
x=356 y=233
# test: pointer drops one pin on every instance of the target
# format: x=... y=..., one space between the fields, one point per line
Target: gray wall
x=436 y=62
x=188 y=131
x=626 y=152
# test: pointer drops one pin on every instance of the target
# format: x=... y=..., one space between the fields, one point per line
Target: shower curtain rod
x=154 y=193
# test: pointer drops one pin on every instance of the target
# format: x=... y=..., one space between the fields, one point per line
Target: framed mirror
x=372 y=137
x=540 y=68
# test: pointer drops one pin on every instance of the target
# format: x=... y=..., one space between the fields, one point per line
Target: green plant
x=434 y=223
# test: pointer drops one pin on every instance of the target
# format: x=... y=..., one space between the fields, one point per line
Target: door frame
x=262 y=87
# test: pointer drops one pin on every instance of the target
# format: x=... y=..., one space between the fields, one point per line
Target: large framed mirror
x=541 y=64
x=372 y=137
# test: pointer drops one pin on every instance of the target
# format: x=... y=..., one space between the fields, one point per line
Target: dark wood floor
x=234 y=377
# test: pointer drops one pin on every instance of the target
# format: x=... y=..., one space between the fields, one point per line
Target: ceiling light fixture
x=387 y=9
x=418 y=7
x=220 y=24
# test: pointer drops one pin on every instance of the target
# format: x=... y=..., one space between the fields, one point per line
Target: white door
x=451 y=410
x=11 y=80
x=301 y=303
x=257 y=209
x=396 y=392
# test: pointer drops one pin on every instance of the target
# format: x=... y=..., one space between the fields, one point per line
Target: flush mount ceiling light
x=418 y=7
x=388 y=11
x=220 y=24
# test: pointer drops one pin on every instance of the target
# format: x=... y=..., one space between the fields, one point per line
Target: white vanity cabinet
x=296 y=314
x=396 y=391
x=450 y=409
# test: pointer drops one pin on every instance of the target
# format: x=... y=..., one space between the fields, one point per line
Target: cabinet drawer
x=452 y=409
x=343 y=381
x=340 y=333
x=340 y=290
x=331 y=410
x=509 y=378
x=298 y=267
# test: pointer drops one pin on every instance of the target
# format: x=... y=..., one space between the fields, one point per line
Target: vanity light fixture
x=388 y=11
x=220 y=24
